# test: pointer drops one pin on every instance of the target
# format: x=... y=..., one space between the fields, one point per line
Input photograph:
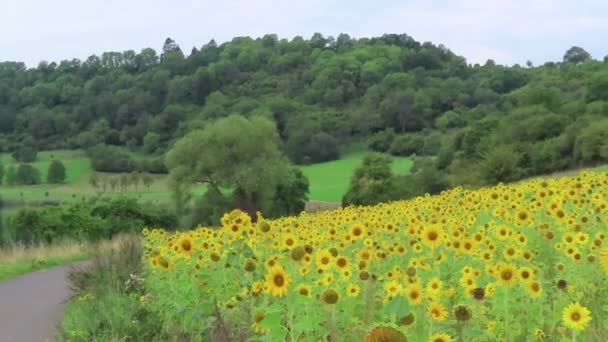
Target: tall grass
x=20 y=258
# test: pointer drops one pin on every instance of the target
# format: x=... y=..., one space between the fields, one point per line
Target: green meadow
x=328 y=181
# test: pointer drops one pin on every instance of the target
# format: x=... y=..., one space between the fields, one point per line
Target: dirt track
x=31 y=306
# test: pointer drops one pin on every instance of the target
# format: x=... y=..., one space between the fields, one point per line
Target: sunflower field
x=515 y=262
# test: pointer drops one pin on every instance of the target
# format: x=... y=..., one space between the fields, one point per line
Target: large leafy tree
x=56 y=172
x=234 y=153
x=373 y=182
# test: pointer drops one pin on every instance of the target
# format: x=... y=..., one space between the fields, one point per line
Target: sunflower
x=384 y=334
x=324 y=259
x=277 y=281
x=330 y=296
x=393 y=288
x=258 y=317
x=576 y=316
x=437 y=311
x=507 y=275
x=432 y=236
x=534 y=288
x=305 y=290
x=434 y=285
x=440 y=337
x=353 y=290
x=414 y=293
x=604 y=259
x=185 y=244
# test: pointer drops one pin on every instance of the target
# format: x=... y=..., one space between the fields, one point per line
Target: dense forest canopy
x=394 y=93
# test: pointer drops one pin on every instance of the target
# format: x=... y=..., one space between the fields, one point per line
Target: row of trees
x=121 y=183
x=27 y=174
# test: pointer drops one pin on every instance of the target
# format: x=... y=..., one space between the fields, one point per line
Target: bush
x=407 y=144
x=56 y=172
x=382 y=141
x=25 y=154
x=156 y=166
x=26 y=174
x=499 y=164
x=110 y=159
x=373 y=182
x=109 y=299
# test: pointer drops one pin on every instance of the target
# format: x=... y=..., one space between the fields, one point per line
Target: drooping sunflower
x=384 y=334
x=258 y=317
x=534 y=288
x=440 y=337
x=437 y=311
x=576 y=316
x=277 y=281
x=305 y=290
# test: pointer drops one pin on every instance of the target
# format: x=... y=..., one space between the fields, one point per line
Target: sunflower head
x=576 y=316
x=462 y=313
x=330 y=296
x=384 y=334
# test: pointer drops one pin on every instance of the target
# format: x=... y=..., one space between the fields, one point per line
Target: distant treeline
x=391 y=92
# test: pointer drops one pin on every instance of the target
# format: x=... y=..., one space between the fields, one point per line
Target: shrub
x=407 y=144
x=56 y=173
x=373 y=182
x=110 y=159
x=382 y=141
x=499 y=164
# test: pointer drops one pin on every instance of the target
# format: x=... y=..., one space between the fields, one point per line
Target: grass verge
x=18 y=259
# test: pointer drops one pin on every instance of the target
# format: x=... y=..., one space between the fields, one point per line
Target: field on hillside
x=512 y=262
x=328 y=181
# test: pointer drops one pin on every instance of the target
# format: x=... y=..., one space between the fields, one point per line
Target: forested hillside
x=487 y=122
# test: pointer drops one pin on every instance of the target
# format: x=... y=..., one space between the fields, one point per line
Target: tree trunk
x=245 y=203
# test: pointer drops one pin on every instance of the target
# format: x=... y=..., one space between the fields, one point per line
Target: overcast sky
x=508 y=31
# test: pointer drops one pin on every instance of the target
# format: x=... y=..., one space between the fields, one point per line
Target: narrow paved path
x=31 y=306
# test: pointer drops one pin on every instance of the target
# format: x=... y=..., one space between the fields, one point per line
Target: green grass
x=24 y=267
x=329 y=181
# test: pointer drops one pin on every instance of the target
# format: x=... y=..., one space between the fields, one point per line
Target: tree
x=147 y=180
x=373 y=182
x=56 y=172
x=10 y=175
x=27 y=175
x=151 y=142
x=290 y=198
x=94 y=180
x=235 y=153
x=499 y=164
x=576 y=55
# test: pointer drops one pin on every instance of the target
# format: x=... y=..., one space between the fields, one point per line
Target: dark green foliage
x=598 y=87
x=10 y=175
x=25 y=154
x=382 y=141
x=56 y=172
x=576 y=55
x=373 y=182
x=499 y=164
x=407 y=144
x=106 y=158
x=424 y=177
x=82 y=221
x=2 y=173
x=26 y=174
x=591 y=144
x=209 y=208
x=290 y=197
x=235 y=153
